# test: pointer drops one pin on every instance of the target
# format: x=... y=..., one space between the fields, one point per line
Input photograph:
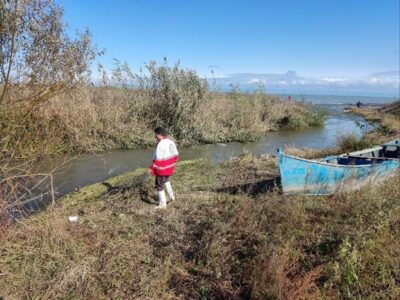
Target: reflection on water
x=89 y=168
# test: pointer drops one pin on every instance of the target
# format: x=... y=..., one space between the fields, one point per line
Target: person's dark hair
x=160 y=131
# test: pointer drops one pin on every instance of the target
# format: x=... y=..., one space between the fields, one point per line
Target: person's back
x=165 y=155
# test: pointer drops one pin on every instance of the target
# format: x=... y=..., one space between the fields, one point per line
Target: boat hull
x=302 y=176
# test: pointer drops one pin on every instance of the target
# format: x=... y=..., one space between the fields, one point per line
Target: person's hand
x=152 y=171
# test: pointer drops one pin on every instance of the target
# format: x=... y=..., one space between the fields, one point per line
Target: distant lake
x=339 y=100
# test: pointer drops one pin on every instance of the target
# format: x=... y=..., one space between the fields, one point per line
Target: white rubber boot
x=170 y=191
x=163 y=200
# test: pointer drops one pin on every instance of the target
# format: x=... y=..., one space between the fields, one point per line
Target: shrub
x=351 y=142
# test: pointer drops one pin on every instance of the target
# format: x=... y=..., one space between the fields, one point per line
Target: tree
x=37 y=58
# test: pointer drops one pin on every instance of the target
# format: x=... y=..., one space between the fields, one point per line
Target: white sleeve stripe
x=166 y=167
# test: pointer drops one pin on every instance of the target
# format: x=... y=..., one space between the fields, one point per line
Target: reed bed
x=121 y=112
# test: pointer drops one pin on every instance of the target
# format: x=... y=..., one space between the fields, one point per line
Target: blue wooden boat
x=343 y=172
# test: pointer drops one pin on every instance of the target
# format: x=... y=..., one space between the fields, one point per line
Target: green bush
x=175 y=95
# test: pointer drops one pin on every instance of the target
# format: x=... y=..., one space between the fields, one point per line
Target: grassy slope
x=388 y=118
x=222 y=238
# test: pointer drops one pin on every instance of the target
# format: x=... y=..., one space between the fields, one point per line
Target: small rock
x=73 y=219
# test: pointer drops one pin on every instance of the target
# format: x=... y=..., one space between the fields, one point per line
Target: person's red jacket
x=164 y=159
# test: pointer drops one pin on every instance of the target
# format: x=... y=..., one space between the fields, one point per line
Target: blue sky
x=342 y=46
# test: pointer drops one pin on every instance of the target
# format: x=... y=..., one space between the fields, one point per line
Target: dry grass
x=99 y=119
x=122 y=113
x=22 y=189
x=312 y=153
x=214 y=242
x=108 y=118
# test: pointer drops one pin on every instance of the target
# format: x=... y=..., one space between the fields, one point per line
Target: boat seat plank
x=369 y=157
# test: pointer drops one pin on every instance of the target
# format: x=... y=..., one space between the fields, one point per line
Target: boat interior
x=388 y=151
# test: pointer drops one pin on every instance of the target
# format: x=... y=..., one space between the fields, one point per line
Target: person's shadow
x=252 y=188
x=137 y=185
x=146 y=196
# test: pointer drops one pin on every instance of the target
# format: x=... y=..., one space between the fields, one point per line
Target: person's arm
x=153 y=168
x=175 y=152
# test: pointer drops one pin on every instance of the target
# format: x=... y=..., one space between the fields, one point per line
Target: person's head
x=160 y=133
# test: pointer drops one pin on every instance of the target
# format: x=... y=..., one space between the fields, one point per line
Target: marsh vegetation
x=123 y=110
x=230 y=234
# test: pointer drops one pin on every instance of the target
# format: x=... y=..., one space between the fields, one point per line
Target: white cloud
x=335 y=79
x=383 y=83
x=255 y=80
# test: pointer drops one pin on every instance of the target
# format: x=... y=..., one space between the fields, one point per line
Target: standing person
x=164 y=160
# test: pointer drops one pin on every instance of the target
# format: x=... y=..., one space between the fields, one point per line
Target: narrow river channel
x=90 y=168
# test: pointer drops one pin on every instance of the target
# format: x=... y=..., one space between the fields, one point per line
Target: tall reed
x=122 y=110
